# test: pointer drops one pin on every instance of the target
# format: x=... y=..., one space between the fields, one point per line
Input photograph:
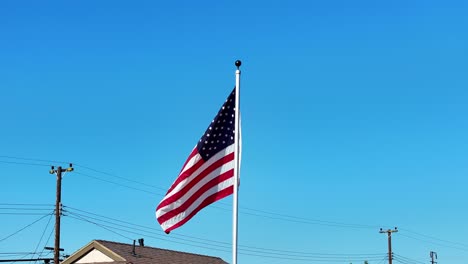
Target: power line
x=31 y=159
x=120 y=177
x=119 y=184
x=270 y=215
x=43 y=232
x=17 y=253
x=101 y=226
x=253 y=212
x=24 y=204
x=408 y=260
x=435 y=243
x=150 y=228
x=434 y=238
x=23 y=209
x=271 y=252
x=133 y=232
x=302 y=220
x=47 y=242
x=244 y=249
x=276 y=216
x=23 y=163
x=382 y=260
x=21 y=229
x=243 y=210
x=21 y=214
x=403 y=261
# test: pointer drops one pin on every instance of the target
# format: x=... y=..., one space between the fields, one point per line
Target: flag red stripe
x=182 y=174
x=209 y=200
x=170 y=214
x=176 y=196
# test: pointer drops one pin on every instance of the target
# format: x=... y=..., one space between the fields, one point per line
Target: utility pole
x=58 y=208
x=433 y=254
x=389 y=233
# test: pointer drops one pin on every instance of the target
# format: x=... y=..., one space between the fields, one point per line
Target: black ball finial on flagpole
x=238 y=63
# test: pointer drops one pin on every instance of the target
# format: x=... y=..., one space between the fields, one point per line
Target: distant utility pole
x=58 y=208
x=433 y=254
x=389 y=233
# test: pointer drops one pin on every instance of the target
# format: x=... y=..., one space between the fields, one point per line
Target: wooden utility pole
x=389 y=233
x=433 y=254
x=58 y=208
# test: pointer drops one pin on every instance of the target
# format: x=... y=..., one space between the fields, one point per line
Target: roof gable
x=93 y=252
x=94 y=256
x=101 y=251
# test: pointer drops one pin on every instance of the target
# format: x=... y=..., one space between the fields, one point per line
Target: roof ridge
x=188 y=253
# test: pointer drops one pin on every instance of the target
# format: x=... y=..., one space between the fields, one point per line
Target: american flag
x=208 y=174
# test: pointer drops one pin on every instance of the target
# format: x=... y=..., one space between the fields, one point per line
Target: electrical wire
x=310 y=259
x=242 y=249
x=434 y=243
x=47 y=242
x=312 y=220
x=108 y=228
x=120 y=177
x=21 y=214
x=102 y=226
x=24 y=209
x=125 y=228
x=31 y=159
x=21 y=229
x=243 y=210
x=301 y=220
x=402 y=261
x=408 y=259
x=275 y=216
x=382 y=260
x=119 y=184
x=23 y=163
x=24 y=204
x=17 y=253
x=43 y=232
x=434 y=238
x=405 y=261
x=71 y=209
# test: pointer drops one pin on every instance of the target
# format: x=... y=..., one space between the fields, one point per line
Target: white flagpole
x=236 y=166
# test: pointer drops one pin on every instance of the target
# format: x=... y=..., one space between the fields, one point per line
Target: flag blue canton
x=220 y=133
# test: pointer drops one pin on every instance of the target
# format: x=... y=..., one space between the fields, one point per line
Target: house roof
x=120 y=253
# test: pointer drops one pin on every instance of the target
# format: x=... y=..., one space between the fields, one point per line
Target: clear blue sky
x=354 y=118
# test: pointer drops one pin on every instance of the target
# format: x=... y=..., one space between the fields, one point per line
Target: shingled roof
x=108 y=252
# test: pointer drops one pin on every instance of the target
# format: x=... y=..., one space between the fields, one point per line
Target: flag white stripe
x=215 y=173
x=191 y=162
x=180 y=217
x=229 y=149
